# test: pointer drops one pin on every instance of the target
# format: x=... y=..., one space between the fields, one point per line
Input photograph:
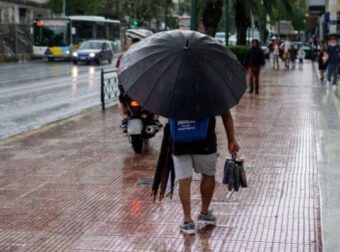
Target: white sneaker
x=334 y=87
x=328 y=83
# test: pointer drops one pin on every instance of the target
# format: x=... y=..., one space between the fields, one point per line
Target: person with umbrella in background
x=189 y=78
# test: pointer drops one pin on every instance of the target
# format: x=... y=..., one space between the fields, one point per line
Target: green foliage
x=139 y=9
x=298 y=17
x=144 y=9
x=86 y=7
x=240 y=51
x=76 y=7
x=56 y=6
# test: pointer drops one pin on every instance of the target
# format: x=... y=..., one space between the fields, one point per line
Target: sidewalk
x=77 y=185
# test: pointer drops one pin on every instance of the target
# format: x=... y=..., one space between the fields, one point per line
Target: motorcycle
x=140 y=125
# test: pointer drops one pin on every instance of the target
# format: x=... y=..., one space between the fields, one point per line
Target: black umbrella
x=164 y=169
x=183 y=75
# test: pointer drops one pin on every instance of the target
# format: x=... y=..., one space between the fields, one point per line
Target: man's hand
x=229 y=128
x=233 y=147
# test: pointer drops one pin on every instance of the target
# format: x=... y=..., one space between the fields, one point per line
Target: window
x=83 y=31
x=100 y=33
x=22 y=15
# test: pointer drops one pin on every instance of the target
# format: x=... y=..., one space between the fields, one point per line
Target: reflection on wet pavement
x=75 y=186
x=37 y=93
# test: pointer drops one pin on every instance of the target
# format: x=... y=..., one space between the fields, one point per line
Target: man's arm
x=229 y=128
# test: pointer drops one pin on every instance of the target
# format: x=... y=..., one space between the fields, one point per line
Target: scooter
x=140 y=125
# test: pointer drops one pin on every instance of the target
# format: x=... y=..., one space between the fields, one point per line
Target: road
x=36 y=93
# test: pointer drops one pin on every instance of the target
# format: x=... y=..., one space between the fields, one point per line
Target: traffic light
x=135 y=22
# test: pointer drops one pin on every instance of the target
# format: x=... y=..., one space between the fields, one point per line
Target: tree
x=76 y=7
x=56 y=6
x=141 y=9
x=212 y=14
x=243 y=10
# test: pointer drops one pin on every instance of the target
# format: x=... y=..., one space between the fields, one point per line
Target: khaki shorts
x=184 y=164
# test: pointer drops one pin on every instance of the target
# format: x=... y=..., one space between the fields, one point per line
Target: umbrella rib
x=136 y=62
x=155 y=84
x=174 y=88
x=231 y=91
x=241 y=80
x=133 y=50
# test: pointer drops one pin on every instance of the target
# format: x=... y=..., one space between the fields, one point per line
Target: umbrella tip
x=187 y=44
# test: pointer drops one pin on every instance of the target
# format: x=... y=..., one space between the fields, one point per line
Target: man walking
x=201 y=157
x=254 y=60
x=286 y=48
x=333 y=60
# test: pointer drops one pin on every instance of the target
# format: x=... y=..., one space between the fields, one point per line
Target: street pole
x=179 y=7
x=165 y=15
x=193 y=15
x=226 y=12
x=64 y=8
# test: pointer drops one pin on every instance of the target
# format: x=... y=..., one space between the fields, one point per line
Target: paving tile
x=76 y=186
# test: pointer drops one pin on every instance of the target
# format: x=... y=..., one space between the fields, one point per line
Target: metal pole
x=179 y=7
x=16 y=41
x=165 y=15
x=64 y=8
x=226 y=12
x=117 y=9
x=102 y=93
x=193 y=15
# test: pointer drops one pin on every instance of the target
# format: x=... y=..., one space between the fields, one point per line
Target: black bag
x=234 y=174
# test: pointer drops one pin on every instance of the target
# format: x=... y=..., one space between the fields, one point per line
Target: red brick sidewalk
x=75 y=186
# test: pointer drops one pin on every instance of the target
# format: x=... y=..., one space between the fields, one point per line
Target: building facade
x=22 y=11
x=327 y=13
x=16 y=19
x=332 y=16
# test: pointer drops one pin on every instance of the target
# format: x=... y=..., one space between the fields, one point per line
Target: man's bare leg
x=184 y=195
x=207 y=191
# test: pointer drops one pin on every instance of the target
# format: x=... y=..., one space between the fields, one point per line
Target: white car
x=220 y=37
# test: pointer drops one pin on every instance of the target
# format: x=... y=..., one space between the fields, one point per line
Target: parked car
x=311 y=52
x=93 y=51
x=265 y=50
x=220 y=37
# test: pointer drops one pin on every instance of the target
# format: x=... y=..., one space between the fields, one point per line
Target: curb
x=334 y=94
x=62 y=121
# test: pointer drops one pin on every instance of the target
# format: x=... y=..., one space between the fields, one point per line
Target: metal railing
x=109 y=90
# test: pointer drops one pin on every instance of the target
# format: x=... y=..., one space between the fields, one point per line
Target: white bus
x=59 y=37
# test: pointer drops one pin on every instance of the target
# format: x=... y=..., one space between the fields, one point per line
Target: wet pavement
x=77 y=185
x=36 y=93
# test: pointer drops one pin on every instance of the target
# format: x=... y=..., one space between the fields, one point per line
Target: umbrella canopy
x=183 y=75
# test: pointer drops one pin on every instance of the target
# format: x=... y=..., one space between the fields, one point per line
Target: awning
x=316 y=7
x=284 y=28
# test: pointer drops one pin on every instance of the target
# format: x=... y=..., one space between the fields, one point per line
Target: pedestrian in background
x=286 y=48
x=293 y=56
x=321 y=61
x=276 y=54
x=333 y=60
x=254 y=60
x=301 y=56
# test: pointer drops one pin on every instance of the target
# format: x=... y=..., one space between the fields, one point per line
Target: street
x=36 y=93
